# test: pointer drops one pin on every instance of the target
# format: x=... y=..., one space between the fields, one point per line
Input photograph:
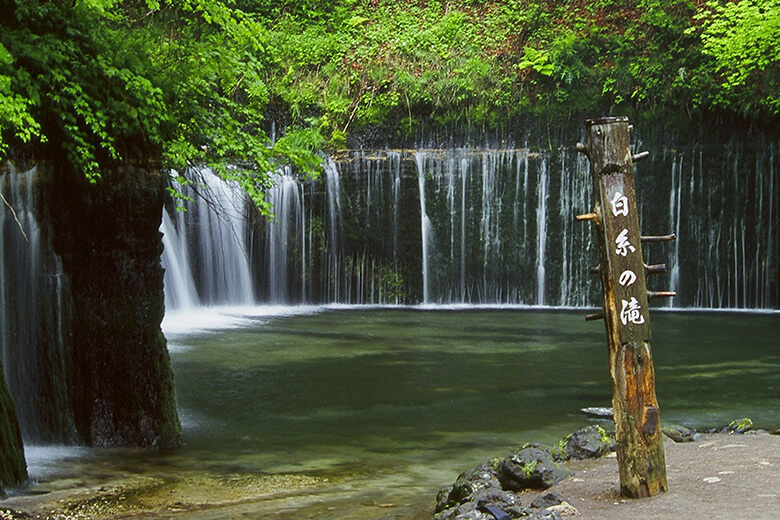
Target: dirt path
x=720 y=477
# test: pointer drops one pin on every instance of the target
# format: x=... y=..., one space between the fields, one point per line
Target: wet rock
x=598 y=412
x=476 y=495
x=107 y=235
x=590 y=442
x=467 y=485
x=13 y=468
x=546 y=500
x=531 y=467
x=680 y=433
x=480 y=509
x=740 y=425
x=497 y=501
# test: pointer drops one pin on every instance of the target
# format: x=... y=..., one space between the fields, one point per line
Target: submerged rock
x=598 y=411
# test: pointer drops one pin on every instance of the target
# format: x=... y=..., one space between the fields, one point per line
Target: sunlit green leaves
x=743 y=39
x=15 y=116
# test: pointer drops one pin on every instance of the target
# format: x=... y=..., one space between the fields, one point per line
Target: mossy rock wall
x=107 y=234
x=13 y=469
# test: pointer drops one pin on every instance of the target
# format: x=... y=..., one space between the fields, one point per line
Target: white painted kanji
x=623 y=245
x=627 y=278
x=631 y=312
x=619 y=204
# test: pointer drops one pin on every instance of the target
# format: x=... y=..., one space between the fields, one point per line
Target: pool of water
x=398 y=401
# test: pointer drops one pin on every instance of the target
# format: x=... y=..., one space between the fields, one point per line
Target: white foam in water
x=43 y=461
x=206 y=319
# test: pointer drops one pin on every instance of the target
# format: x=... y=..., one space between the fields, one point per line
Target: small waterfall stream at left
x=34 y=314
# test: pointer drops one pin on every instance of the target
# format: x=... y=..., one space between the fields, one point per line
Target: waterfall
x=425 y=223
x=674 y=220
x=35 y=315
x=465 y=225
x=205 y=247
x=541 y=232
x=180 y=292
x=282 y=273
x=335 y=248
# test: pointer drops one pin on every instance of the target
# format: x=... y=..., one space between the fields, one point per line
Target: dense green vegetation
x=488 y=63
x=194 y=81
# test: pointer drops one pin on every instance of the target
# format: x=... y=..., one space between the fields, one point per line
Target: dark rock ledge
x=488 y=491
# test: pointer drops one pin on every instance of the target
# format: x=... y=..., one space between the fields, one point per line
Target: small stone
x=545 y=514
x=546 y=500
x=564 y=509
x=680 y=433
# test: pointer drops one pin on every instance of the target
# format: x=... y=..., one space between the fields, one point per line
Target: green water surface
x=364 y=390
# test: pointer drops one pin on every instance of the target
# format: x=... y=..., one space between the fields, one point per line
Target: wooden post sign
x=638 y=435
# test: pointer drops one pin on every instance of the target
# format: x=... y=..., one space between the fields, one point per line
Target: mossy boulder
x=740 y=425
x=591 y=442
x=531 y=467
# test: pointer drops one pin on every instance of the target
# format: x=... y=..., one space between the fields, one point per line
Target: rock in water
x=597 y=411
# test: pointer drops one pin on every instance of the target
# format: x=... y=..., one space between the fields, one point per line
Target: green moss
x=529 y=468
x=741 y=425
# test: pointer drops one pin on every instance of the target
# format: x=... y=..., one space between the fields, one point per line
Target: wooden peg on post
x=640 y=451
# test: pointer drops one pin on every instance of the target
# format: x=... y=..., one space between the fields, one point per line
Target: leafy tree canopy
x=202 y=81
x=105 y=81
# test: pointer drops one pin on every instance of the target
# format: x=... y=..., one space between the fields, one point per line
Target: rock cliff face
x=107 y=234
x=13 y=470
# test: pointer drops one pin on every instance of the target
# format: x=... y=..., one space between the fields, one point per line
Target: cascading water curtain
x=491 y=226
x=35 y=314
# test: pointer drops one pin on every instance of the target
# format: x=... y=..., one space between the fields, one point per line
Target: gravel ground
x=719 y=477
